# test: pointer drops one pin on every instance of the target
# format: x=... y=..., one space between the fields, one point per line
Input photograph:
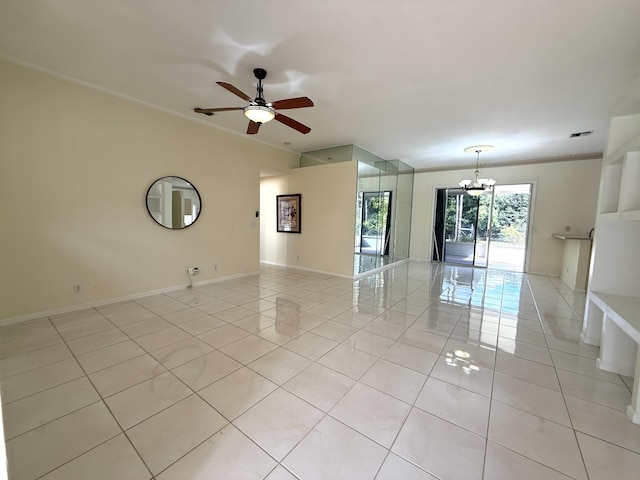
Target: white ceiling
x=415 y=80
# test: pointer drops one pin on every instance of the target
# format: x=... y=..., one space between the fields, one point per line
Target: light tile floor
x=422 y=371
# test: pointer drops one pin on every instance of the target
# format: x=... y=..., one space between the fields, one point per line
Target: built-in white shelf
x=629 y=192
x=613 y=323
x=608 y=217
x=629 y=216
x=624 y=136
x=612 y=312
x=620 y=176
x=610 y=188
x=624 y=310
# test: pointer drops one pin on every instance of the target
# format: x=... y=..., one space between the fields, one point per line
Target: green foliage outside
x=376 y=211
x=511 y=210
x=510 y=214
x=512 y=236
x=467 y=221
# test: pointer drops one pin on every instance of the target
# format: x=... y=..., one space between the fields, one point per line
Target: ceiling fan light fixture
x=258 y=110
x=259 y=113
x=480 y=185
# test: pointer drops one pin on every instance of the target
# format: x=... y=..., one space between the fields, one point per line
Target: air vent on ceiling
x=581 y=134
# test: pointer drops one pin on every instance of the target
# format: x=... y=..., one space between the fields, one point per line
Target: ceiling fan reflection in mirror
x=259 y=111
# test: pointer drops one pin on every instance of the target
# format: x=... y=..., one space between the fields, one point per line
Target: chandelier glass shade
x=477 y=186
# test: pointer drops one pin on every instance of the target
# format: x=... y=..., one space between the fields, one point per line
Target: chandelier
x=479 y=185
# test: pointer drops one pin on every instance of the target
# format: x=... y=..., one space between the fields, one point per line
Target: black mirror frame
x=183 y=179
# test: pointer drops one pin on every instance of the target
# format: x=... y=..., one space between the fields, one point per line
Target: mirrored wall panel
x=383 y=211
x=384 y=196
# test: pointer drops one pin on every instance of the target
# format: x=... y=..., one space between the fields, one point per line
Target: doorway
x=489 y=230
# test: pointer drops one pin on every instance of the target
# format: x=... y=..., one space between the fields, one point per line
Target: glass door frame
x=487 y=251
x=439 y=217
x=533 y=184
x=459 y=192
x=383 y=243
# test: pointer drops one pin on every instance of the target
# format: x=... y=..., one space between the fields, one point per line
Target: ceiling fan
x=259 y=111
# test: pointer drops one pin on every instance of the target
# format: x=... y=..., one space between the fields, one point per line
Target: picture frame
x=288 y=213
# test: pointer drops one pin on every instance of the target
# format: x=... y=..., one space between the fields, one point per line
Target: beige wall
x=566 y=194
x=75 y=166
x=326 y=243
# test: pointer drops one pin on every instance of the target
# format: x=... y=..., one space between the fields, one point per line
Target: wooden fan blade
x=299 y=102
x=290 y=122
x=235 y=91
x=211 y=111
x=253 y=127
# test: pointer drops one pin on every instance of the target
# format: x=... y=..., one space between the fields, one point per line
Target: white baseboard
x=333 y=274
x=555 y=275
x=110 y=301
x=380 y=269
x=351 y=277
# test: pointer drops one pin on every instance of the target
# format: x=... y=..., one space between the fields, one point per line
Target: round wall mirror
x=173 y=202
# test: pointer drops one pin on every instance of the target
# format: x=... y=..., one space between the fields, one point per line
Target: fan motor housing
x=260 y=73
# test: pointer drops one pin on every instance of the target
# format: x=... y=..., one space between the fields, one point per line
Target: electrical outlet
x=193 y=271
x=215 y=267
x=76 y=289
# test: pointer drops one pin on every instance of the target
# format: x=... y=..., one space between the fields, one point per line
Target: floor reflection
x=312 y=367
x=462 y=359
x=490 y=309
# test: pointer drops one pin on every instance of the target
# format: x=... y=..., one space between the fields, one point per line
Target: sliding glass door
x=465 y=228
x=483 y=230
x=510 y=226
x=488 y=230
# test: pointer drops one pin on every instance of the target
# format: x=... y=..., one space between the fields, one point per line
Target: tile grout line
x=493 y=377
x=409 y=286
x=122 y=431
x=564 y=399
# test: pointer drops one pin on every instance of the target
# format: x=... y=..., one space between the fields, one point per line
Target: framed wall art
x=288 y=213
